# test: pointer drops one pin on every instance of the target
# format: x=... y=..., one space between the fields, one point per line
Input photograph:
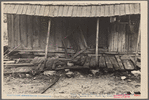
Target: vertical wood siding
x=31 y=31
x=123 y=37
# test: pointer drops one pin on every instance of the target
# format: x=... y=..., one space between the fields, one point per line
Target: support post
x=97 y=35
x=139 y=34
x=47 y=42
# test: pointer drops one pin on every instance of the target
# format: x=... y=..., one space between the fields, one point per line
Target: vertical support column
x=47 y=42
x=97 y=35
x=139 y=34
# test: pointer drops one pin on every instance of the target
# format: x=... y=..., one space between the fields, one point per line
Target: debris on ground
x=123 y=77
x=95 y=72
x=49 y=73
x=70 y=64
x=61 y=81
x=136 y=73
x=66 y=70
x=128 y=80
x=83 y=81
x=70 y=74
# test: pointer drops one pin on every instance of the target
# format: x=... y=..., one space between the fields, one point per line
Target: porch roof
x=72 y=10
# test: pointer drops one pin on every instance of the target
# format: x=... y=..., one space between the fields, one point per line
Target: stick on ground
x=56 y=78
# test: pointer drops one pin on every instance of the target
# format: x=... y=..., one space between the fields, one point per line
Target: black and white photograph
x=74 y=50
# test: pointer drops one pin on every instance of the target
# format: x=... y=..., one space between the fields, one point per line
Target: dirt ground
x=83 y=82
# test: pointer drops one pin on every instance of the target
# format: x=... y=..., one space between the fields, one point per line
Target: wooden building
x=106 y=27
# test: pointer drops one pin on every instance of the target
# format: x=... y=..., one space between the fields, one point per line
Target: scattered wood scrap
x=102 y=63
x=128 y=65
x=19 y=65
x=79 y=52
x=114 y=62
x=92 y=62
x=87 y=62
x=55 y=79
x=119 y=62
x=109 y=64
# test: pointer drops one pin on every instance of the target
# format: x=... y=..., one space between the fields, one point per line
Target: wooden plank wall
x=31 y=31
x=123 y=37
x=117 y=37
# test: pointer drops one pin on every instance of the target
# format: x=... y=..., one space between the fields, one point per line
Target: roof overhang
x=72 y=10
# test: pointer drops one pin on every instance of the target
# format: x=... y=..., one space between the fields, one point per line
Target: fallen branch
x=12 y=50
x=56 y=78
x=23 y=64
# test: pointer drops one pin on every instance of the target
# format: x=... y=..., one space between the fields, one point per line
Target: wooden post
x=47 y=42
x=139 y=34
x=97 y=35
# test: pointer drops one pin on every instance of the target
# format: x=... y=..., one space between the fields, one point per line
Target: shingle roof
x=72 y=10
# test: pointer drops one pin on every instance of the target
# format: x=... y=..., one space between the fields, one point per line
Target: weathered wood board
x=102 y=62
x=114 y=62
x=119 y=62
x=109 y=64
x=87 y=62
x=128 y=65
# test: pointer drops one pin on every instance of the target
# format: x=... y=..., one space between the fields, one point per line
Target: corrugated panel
x=117 y=10
x=93 y=11
x=15 y=9
x=20 y=9
x=46 y=12
x=6 y=8
x=60 y=12
x=132 y=8
x=107 y=10
x=111 y=12
x=137 y=8
x=37 y=10
x=122 y=9
x=41 y=10
x=65 y=10
x=24 y=9
x=33 y=10
x=84 y=11
x=11 y=7
x=70 y=10
x=127 y=9
x=79 y=11
x=51 y=10
x=88 y=11
x=74 y=10
x=28 y=9
x=98 y=11
x=56 y=10
x=102 y=11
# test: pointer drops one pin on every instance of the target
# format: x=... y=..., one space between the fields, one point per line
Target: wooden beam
x=47 y=42
x=19 y=65
x=94 y=55
x=97 y=35
x=119 y=62
x=114 y=62
x=83 y=37
x=109 y=64
x=87 y=62
x=66 y=54
x=139 y=34
x=81 y=51
x=102 y=62
x=12 y=50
